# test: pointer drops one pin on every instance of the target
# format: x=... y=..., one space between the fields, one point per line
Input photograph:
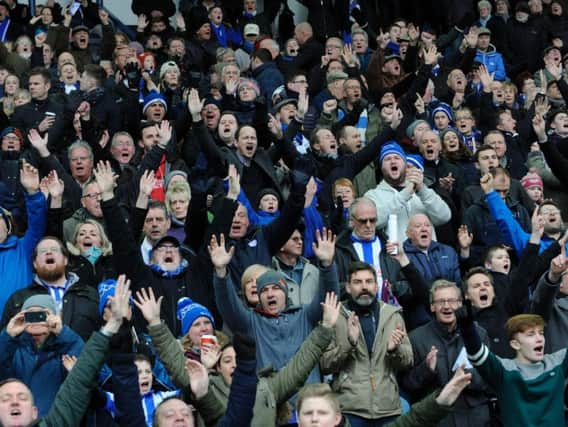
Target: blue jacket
x=40 y=369
x=269 y=78
x=279 y=337
x=513 y=233
x=493 y=61
x=440 y=263
x=16 y=253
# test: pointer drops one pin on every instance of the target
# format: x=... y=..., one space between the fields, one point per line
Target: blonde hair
x=251 y=273
x=177 y=189
x=318 y=390
x=106 y=245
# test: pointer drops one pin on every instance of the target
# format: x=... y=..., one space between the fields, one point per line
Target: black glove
x=245 y=346
x=358 y=16
x=304 y=169
x=336 y=220
x=133 y=74
x=464 y=315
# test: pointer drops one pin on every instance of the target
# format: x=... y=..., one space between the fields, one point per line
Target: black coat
x=470 y=409
x=80 y=309
x=194 y=281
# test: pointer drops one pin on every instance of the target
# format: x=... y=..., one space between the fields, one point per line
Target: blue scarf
x=220 y=33
x=367 y=248
x=169 y=274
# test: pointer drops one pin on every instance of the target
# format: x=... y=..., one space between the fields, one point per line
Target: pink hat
x=531 y=180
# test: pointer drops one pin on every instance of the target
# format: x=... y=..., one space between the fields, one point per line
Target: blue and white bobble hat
x=153 y=97
x=188 y=312
x=415 y=160
x=391 y=147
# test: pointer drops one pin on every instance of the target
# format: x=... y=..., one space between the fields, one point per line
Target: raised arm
x=36 y=207
x=548 y=286
x=231 y=307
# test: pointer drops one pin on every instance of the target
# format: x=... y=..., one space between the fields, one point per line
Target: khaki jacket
x=366 y=385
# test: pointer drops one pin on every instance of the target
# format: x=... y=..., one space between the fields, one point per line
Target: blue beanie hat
x=188 y=312
x=444 y=108
x=107 y=290
x=391 y=147
x=412 y=126
x=415 y=160
x=152 y=97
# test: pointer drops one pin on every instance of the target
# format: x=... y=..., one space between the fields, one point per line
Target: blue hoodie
x=493 y=61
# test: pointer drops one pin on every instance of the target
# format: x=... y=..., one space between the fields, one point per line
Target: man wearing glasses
x=439 y=350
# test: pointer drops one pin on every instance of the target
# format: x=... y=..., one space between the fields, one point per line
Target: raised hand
x=311 y=190
x=198 y=378
x=38 y=142
x=465 y=238
x=471 y=37
x=234 y=182
x=541 y=106
x=383 y=39
x=419 y=104
x=303 y=104
x=147 y=182
x=180 y=22
x=330 y=106
x=105 y=179
x=195 y=105
x=46 y=123
x=430 y=55
x=432 y=359
x=558 y=265
x=275 y=127
x=485 y=77
x=142 y=23
x=119 y=306
x=104 y=139
x=164 y=133
x=396 y=252
x=231 y=86
x=331 y=308
x=84 y=111
x=324 y=246
x=539 y=127
x=537 y=226
x=220 y=257
x=353 y=329
x=29 y=178
x=148 y=305
x=486 y=183
x=454 y=387
x=348 y=57
x=396 y=338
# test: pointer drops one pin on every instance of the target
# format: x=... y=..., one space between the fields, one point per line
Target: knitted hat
x=188 y=312
x=171 y=174
x=210 y=100
x=412 y=126
x=153 y=97
x=167 y=66
x=272 y=277
x=107 y=289
x=531 y=180
x=266 y=191
x=195 y=19
x=444 y=108
x=42 y=300
x=137 y=46
x=40 y=30
x=415 y=160
x=523 y=6
x=391 y=147
x=335 y=76
x=15 y=131
x=79 y=28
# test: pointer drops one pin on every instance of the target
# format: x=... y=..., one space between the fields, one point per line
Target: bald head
x=271 y=45
x=419 y=231
x=429 y=145
x=303 y=32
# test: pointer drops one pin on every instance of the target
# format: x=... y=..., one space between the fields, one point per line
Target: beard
x=51 y=274
x=364 y=300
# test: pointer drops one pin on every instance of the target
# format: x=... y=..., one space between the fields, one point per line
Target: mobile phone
x=50 y=114
x=35 y=316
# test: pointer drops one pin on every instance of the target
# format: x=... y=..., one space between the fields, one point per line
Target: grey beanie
x=412 y=126
x=43 y=301
x=272 y=277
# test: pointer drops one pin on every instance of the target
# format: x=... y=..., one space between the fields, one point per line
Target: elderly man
x=432 y=259
x=402 y=192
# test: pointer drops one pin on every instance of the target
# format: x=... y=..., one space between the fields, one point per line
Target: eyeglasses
x=303 y=82
x=93 y=196
x=79 y=159
x=449 y=301
x=164 y=248
x=545 y=211
x=53 y=249
x=365 y=220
